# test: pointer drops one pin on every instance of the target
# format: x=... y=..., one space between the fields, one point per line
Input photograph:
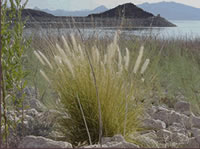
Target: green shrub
x=13 y=73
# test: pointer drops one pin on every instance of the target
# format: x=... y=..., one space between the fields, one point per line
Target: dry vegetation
x=69 y=63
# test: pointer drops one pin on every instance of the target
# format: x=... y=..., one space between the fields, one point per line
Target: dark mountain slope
x=131 y=15
x=35 y=13
x=128 y=10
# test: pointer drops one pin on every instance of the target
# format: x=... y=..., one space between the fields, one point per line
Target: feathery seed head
x=74 y=43
x=46 y=60
x=44 y=75
x=127 y=58
x=60 y=50
x=139 y=59
x=39 y=57
x=145 y=65
x=58 y=59
x=65 y=43
x=69 y=65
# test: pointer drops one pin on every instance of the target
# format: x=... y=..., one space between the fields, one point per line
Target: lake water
x=184 y=30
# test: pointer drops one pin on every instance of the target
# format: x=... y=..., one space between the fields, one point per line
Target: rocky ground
x=165 y=127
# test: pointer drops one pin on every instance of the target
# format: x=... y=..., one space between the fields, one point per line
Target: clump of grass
x=70 y=74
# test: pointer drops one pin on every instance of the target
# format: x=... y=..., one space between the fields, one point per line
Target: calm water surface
x=185 y=30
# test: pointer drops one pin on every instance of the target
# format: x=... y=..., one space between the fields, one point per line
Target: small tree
x=13 y=45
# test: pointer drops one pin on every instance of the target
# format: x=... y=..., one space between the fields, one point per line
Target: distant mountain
x=172 y=10
x=128 y=10
x=35 y=13
x=134 y=17
x=60 y=12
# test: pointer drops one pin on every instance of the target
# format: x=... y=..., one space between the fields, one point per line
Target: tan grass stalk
x=58 y=59
x=65 y=43
x=44 y=75
x=74 y=43
x=39 y=57
x=145 y=65
x=120 y=67
x=83 y=115
x=61 y=51
x=126 y=59
x=139 y=59
x=98 y=100
x=69 y=65
x=46 y=60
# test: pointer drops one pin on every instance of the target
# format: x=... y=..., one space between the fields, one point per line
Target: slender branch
x=0 y=74
x=4 y=109
x=97 y=95
x=89 y=137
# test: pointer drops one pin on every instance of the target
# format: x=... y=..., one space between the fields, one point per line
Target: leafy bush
x=13 y=73
x=119 y=84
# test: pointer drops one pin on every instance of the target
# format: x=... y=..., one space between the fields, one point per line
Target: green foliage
x=180 y=74
x=13 y=46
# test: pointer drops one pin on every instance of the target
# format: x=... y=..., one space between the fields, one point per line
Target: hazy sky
x=91 y=4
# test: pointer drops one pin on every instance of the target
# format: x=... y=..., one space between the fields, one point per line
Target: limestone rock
x=176 y=128
x=179 y=138
x=195 y=132
x=149 y=140
x=182 y=107
x=164 y=135
x=154 y=124
x=191 y=143
x=186 y=121
x=195 y=121
x=123 y=145
x=174 y=117
x=41 y=142
x=116 y=141
x=161 y=114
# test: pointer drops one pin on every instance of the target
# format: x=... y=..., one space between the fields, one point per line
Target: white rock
x=177 y=128
x=154 y=124
x=116 y=141
x=164 y=135
x=41 y=142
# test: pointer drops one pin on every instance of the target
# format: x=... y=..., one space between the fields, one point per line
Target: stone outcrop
x=164 y=127
x=37 y=120
x=177 y=127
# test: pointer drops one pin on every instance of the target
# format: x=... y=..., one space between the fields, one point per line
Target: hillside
x=130 y=14
x=35 y=13
x=128 y=10
x=172 y=10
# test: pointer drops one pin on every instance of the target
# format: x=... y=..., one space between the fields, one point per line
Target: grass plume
x=71 y=76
